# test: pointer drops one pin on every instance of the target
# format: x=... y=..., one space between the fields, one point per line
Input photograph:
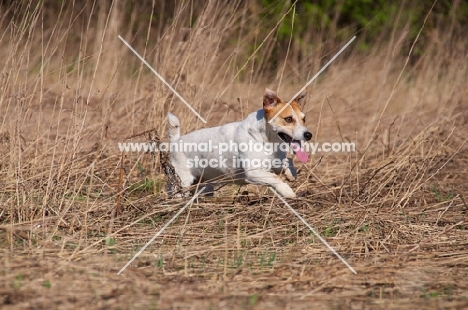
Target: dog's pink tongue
x=300 y=153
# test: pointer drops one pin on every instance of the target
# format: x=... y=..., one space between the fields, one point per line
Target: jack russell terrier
x=252 y=151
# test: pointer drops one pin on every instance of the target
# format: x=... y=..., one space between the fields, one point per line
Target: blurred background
x=70 y=91
x=221 y=54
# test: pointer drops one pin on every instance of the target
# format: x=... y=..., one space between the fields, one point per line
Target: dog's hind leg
x=209 y=189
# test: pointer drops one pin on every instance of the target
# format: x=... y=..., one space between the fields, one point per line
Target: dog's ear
x=300 y=98
x=269 y=99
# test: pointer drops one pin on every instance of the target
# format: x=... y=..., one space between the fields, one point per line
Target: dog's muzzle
x=296 y=144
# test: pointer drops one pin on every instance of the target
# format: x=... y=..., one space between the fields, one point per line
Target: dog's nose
x=307 y=135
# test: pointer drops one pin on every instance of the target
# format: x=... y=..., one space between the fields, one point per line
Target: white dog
x=251 y=151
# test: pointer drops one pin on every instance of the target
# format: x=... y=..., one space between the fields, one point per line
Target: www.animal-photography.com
x=263 y=154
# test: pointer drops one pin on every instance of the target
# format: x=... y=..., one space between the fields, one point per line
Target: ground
x=74 y=208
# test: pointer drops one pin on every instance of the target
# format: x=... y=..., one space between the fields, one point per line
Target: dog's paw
x=290 y=173
x=285 y=191
x=182 y=194
x=290 y=177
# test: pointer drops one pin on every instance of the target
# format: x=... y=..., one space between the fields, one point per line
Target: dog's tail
x=173 y=127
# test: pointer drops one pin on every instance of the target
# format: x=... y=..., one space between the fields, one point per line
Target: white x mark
x=163 y=80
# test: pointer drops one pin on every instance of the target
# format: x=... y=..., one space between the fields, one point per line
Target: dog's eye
x=303 y=119
x=288 y=119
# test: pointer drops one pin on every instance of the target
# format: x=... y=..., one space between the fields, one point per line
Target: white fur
x=254 y=128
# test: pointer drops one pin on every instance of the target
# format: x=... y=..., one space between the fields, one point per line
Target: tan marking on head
x=293 y=110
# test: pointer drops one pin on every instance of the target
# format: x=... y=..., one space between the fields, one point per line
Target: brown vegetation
x=71 y=90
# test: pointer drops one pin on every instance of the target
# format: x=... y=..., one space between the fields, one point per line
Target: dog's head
x=289 y=125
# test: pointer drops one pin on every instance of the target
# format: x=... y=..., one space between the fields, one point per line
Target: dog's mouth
x=296 y=146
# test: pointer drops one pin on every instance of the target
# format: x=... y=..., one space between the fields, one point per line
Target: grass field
x=74 y=209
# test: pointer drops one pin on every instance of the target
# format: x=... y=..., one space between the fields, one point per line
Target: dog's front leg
x=287 y=168
x=262 y=177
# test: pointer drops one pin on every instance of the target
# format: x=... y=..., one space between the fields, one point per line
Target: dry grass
x=75 y=210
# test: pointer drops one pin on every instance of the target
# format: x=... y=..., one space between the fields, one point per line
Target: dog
x=237 y=163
